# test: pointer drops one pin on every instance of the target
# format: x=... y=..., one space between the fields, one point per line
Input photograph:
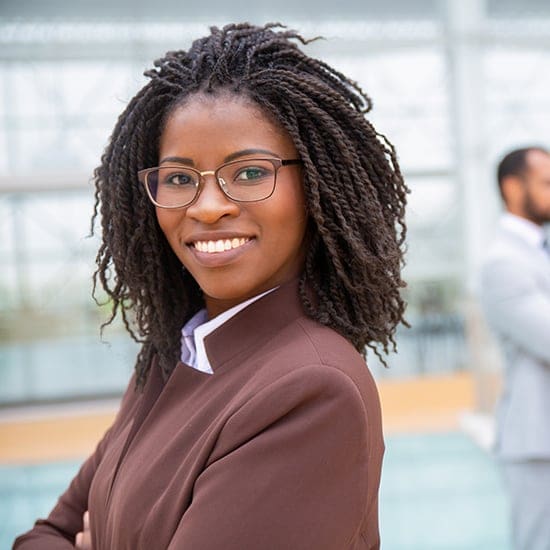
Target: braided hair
x=354 y=190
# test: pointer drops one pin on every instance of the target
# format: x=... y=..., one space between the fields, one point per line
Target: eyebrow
x=179 y=160
x=228 y=158
x=245 y=152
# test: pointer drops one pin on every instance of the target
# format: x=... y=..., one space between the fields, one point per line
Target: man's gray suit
x=515 y=295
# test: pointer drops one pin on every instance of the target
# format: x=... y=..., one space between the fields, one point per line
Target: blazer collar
x=254 y=324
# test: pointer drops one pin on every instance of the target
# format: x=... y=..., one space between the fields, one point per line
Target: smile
x=221 y=245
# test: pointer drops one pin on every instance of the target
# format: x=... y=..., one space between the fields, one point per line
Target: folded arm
x=517 y=306
x=58 y=530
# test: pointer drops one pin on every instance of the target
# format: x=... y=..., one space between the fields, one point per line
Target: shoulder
x=311 y=357
x=509 y=247
x=502 y=246
x=331 y=349
x=306 y=379
x=312 y=398
x=506 y=258
x=512 y=266
x=306 y=342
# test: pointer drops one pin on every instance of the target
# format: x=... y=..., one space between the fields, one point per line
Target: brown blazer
x=280 y=449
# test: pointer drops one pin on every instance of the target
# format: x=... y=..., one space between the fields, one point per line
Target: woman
x=269 y=224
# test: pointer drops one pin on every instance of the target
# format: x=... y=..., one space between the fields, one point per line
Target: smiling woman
x=268 y=224
x=253 y=224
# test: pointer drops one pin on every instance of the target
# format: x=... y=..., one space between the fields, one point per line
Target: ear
x=512 y=190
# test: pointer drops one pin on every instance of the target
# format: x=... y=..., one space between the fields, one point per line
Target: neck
x=524 y=216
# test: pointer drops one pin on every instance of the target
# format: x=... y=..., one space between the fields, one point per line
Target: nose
x=211 y=204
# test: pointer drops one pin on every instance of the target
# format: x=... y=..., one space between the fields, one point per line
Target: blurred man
x=516 y=299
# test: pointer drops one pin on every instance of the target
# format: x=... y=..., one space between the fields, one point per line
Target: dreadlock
x=354 y=190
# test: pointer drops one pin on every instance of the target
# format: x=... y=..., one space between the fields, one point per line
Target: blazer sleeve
x=291 y=469
x=517 y=306
x=58 y=530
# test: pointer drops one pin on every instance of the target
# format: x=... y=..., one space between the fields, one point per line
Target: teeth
x=212 y=247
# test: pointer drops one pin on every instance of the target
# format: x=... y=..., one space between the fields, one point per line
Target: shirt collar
x=525 y=229
x=188 y=347
x=193 y=351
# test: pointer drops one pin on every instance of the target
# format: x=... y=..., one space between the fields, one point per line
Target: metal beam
x=463 y=21
x=238 y=10
x=40 y=41
x=45 y=183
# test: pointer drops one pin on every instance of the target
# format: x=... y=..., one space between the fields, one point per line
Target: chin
x=221 y=290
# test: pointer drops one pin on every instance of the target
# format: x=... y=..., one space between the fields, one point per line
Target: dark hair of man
x=354 y=191
x=514 y=164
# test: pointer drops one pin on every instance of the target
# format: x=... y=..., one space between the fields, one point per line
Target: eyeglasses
x=247 y=180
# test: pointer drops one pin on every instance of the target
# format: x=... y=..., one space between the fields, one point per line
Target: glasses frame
x=277 y=164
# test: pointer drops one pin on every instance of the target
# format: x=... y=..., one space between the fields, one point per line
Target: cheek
x=169 y=222
x=290 y=217
x=537 y=196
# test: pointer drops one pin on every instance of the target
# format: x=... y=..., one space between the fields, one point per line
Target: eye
x=252 y=174
x=178 y=179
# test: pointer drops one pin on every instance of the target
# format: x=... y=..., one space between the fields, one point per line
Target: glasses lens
x=172 y=185
x=248 y=180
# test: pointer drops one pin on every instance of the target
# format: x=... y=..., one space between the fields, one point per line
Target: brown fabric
x=281 y=448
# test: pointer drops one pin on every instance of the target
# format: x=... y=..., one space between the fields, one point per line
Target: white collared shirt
x=527 y=230
x=193 y=352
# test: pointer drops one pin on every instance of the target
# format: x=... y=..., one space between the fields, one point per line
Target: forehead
x=538 y=162
x=207 y=129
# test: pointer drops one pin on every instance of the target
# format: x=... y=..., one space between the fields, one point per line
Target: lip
x=218 y=259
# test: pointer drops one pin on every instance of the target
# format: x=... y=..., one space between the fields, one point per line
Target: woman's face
x=267 y=237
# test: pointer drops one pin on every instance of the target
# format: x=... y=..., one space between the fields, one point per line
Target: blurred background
x=455 y=85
